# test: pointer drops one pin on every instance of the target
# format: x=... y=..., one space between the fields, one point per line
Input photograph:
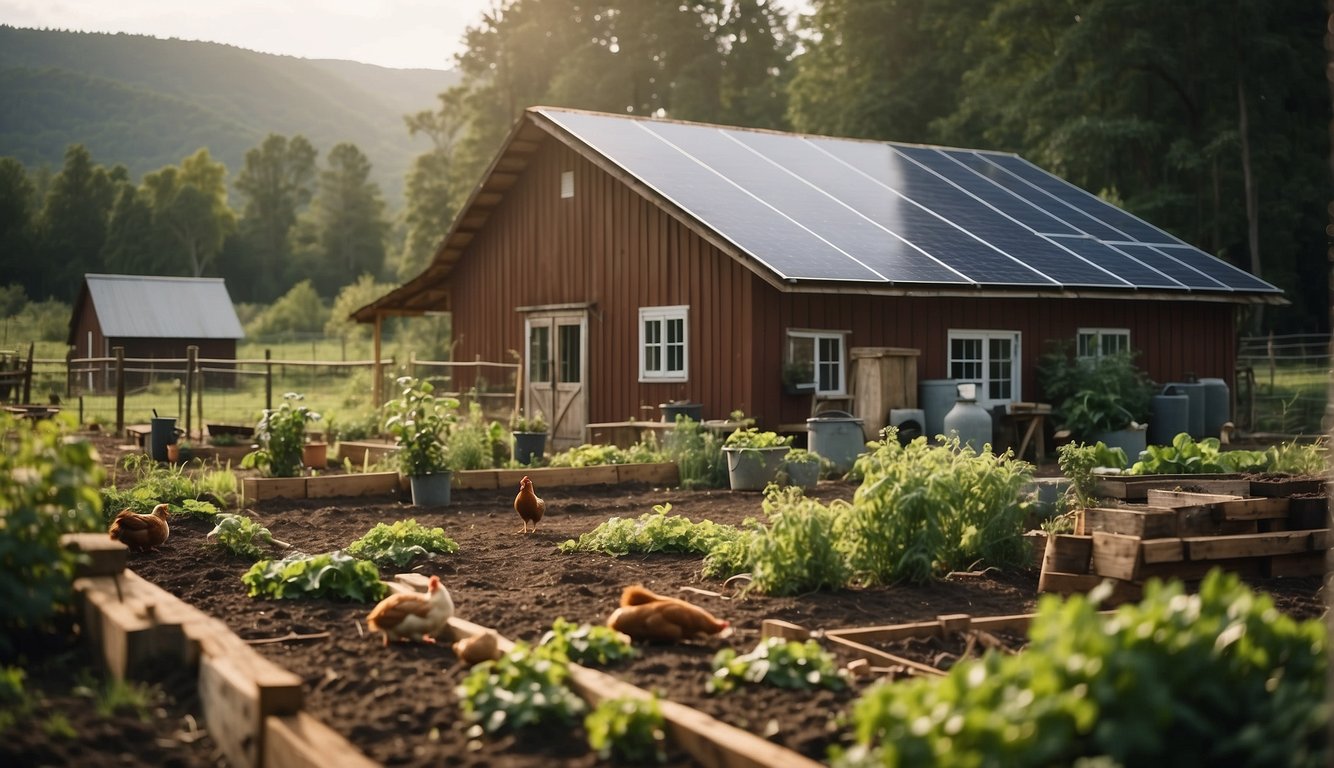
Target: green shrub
x=240 y=535
x=798 y=550
x=777 y=662
x=1185 y=456
x=398 y=543
x=923 y=510
x=334 y=575
x=281 y=434
x=588 y=644
x=697 y=453
x=1220 y=677
x=525 y=687
x=654 y=531
x=629 y=730
x=48 y=487
x=1093 y=394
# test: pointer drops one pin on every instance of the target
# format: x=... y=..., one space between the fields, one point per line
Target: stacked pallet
x=1183 y=535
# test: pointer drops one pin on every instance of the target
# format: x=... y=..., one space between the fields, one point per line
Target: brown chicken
x=529 y=506
x=413 y=615
x=644 y=615
x=478 y=648
x=142 y=532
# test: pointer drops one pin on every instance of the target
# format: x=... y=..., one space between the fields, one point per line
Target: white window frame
x=983 y=392
x=661 y=315
x=1097 y=336
x=817 y=363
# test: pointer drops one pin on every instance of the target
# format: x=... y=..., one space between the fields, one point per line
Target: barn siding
x=612 y=248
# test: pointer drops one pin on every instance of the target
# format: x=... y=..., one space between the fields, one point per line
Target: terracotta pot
x=315 y=455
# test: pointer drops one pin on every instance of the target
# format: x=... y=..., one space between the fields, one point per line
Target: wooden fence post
x=377 y=372
x=191 y=362
x=199 y=395
x=268 y=380
x=119 y=353
x=27 y=377
x=69 y=374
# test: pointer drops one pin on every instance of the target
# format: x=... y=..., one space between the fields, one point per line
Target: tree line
x=1208 y=120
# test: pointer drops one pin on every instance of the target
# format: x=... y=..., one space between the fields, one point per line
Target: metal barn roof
x=813 y=208
x=137 y=306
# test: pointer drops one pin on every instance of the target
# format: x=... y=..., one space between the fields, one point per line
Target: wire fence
x=116 y=392
x=1283 y=385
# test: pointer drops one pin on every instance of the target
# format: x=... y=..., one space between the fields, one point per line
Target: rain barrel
x=1217 y=406
x=836 y=436
x=1169 y=416
x=968 y=420
x=1194 y=391
x=937 y=397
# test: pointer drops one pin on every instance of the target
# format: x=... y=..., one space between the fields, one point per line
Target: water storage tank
x=911 y=423
x=968 y=420
x=1217 y=406
x=937 y=398
x=836 y=436
x=1194 y=391
x=1169 y=416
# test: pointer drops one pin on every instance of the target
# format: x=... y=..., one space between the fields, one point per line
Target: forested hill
x=146 y=103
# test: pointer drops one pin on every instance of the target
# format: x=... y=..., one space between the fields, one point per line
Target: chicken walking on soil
x=529 y=506
x=141 y=532
x=413 y=615
x=644 y=615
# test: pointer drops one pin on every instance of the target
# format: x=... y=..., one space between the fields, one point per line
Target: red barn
x=635 y=261
x=152 y=318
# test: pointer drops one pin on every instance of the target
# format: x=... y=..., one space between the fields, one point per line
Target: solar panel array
x=825 y=209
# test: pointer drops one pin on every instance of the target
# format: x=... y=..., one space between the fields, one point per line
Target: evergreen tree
x=347 y=219
x=73 y=224
x=276 y=183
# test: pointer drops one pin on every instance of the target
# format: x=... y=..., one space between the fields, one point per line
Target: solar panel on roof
x=817 y=208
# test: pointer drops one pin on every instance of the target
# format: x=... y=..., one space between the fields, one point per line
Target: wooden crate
x=367 y=484
x=1137 y=487
x=856 y=639
x=255 y=489
x=1145 y=522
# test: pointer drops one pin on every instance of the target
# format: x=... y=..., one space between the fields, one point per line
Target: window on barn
x=1096 y=342
x=663 y=351
x=991 y=360
x=816 y=357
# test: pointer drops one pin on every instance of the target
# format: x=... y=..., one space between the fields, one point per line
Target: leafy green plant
x=154 y=483
x=399 y=542
x=629 y=730
x=219 y=483
x=1091 y=412
x=1077 y=462
x=1218 y=677
x=240 y=535
x=1185 y=456
x=113 y=696
x=334 y=575
x=777 y=662
x=15 y=702
x=801 y=456
x=924 y=510
x=589 y=456
x=798 y=550
x=1094 y=395
x=697 y=452
x=525 y=687
x=421 y=421
x=654 y=531
x=753 y=438
x=522 y=423
x=1295 y=458
x=195 y=508
x=588 y=644
x=281 y=433
x=48 y=487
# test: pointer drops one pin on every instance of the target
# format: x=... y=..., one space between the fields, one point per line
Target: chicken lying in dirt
x=644 y=615
x=413 y=615
x=529 y=506
x=142 y=532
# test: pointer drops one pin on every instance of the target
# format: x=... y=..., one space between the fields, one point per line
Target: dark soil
x=398 y=704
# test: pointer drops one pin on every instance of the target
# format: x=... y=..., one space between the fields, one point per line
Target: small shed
x=634 y=261
x=153 y=318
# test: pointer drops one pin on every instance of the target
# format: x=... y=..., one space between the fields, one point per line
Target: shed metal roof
x=150 y=307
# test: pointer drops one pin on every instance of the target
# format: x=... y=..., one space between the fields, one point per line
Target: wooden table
x=1029 y=420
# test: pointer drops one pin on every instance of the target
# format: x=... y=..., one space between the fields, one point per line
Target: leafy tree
x=352 y=297
x=73 y=223
x=17 y=220
x=432 y=184
x=300 y=310
x=128 y=248
x=277 y=183
x=190 y=214
x=347 y=222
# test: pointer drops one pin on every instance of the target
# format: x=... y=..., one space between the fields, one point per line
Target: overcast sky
x=391 y=33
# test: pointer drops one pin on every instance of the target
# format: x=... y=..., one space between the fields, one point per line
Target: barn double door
x=556 y=366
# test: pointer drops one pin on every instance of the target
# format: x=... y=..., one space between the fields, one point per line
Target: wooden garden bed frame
x=254 y=708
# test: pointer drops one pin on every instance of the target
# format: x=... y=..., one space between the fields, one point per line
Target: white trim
x=816 y=337
x=1098 y=334
x=984 y=398
x=662 y=315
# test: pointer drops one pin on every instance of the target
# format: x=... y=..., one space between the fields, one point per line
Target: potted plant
x=281 y=434
x=421 y=423
x=803 y=468
x=530 y=437
x=1100 y=416
x=754 y=458
x=798 y=377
